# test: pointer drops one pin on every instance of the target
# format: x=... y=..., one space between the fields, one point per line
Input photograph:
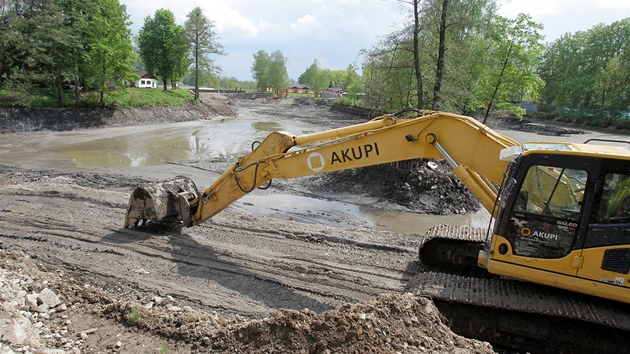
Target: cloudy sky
x=334 y=31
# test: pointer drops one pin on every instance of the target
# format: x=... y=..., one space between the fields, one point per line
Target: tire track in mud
x=242 y=264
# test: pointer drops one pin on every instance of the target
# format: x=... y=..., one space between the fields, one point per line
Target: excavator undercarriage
x=510 y=313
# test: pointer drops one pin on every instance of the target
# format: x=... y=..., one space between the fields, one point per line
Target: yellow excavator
x=560 y=211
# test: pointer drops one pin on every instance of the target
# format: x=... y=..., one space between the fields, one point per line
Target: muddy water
x=134 y=149
x=134 y=146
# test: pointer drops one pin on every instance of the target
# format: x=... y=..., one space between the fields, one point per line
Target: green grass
x=141 y=97
x=122 y=98
x=134 y=317
x=36 y=98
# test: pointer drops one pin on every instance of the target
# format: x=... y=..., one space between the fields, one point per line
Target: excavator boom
x=473 y=152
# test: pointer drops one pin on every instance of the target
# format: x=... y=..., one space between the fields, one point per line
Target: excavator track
x=516 y=314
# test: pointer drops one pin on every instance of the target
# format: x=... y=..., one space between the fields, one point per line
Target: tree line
x=86 y=45
x=461 y=56
x=455 y=55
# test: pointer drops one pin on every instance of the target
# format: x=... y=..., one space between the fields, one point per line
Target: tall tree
x=352 y=82
x=161 y=45
x=439 y=70
x=515 y=47
x=279 y=78
x=315 y=77
x=110 y=51
x=416 y=55
x=270 y=70
x=203 y=42
x=436 y=38
x=260 y=70
x=42 y=42
x=389 y=73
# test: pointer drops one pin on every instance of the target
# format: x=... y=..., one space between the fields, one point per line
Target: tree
x=279 y=78
x=436 y=46
x=439 y=71
x=110 y=51
x=203 y=42
x=269 y=70
x=260 y=70
x=389 y=73
x=352 y=82
x=163 y=47
x=515 y=46
x=589 y=70
x=417 y=67
x=40 y=41
x=316 y=77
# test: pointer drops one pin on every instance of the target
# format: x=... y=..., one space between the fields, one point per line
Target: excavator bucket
x=169 y=201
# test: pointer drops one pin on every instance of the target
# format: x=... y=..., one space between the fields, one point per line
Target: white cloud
x=230 y=20
x=542 y=8
x=304 y=24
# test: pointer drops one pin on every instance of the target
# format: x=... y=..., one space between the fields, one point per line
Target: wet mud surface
x=241 y=283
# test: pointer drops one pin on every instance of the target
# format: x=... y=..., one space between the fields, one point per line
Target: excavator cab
x=564 y=222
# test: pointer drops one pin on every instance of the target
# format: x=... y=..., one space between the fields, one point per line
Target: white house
x=146 y=80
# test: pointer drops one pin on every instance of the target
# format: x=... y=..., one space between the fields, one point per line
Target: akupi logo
x=315 y=161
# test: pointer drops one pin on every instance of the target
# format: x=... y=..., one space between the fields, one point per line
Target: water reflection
x=138 y=145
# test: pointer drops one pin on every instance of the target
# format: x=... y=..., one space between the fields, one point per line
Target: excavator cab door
x=542 y=222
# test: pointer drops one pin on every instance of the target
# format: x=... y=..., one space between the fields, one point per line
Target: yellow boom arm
x=471 y=148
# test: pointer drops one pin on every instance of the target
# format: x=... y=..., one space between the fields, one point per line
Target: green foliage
x=270 y=70
x=53 y=43
x=139 y=97
x=514 y=48
x=110 y=50
x=316 y=78
x=437 y=58
x=134 y=317
x=232 y=83
x=510 y=109
x=389 y=77
x=589 y=69
x=163 y=47
x=203 y=42
x=14 y=95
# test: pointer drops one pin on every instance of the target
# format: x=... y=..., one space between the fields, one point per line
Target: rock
x=49 y=298
x=14 y=334
x=31 y=300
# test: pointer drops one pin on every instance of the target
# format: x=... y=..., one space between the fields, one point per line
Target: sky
x=335 y=31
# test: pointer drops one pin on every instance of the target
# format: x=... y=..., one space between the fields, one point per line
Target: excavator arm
x=471 y=148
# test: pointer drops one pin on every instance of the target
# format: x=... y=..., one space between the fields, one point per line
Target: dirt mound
x=390 y=324
x=89 y=317
x=441 y=193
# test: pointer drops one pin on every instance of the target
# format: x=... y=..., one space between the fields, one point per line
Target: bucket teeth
x=165 y=202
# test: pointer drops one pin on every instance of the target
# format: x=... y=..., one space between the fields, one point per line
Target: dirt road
x=207 y=288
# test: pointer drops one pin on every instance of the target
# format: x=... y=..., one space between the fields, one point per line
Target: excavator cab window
x=544 y=220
